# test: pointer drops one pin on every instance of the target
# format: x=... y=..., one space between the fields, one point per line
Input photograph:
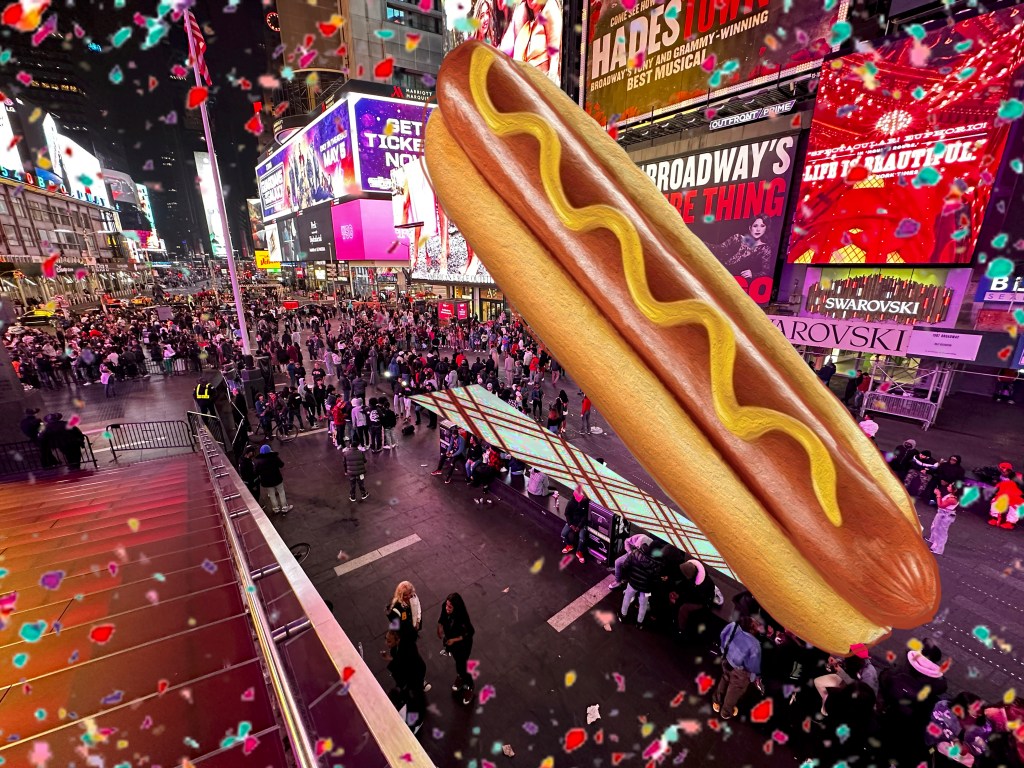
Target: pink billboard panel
x=364 y=230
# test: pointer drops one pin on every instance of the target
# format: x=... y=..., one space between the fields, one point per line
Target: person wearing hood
x=695 y=591
x=268 y=468
x=633 y=542
x=741 y=664
x=900 y=461
x=641 y=572
x=947 y=473
x=360 y=429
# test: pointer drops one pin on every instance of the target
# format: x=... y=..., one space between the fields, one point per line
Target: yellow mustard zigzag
x=746 y=422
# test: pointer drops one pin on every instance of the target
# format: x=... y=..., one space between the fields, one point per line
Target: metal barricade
x=26 y=456
x=147 y=435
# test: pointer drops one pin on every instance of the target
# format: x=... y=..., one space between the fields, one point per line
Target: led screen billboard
x=646 y=56
x=315 y=166
x=905 y=145
x=389 y=134
x=208 y=193
x=734 y=199
x=316 y=233
x=529 y=31
x=363 y=231
x=351 y=148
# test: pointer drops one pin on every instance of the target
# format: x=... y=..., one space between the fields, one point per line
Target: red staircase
x=127 y=636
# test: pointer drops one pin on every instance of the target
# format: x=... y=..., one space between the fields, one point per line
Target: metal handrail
x=396 y=741
x=302 y=748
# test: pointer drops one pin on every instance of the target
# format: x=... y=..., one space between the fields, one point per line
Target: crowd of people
x=355 y=370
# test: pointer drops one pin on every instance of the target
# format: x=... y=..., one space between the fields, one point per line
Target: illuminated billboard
x=351 y=148
x=905 y=145
x=643 y=57
x=529 y=31
x=208 y=192
x=904 y=296
x=733 y=198
x=363 y=231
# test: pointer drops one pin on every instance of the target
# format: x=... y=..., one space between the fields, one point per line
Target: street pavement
x=534 y=684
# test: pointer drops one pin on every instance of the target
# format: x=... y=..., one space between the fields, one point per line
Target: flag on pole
x=200 y=47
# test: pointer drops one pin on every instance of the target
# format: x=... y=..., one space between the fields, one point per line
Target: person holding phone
x=355 y=470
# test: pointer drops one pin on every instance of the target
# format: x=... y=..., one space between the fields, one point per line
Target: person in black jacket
x=268 y=467
x=577 y=514
x=247 y=471
x=948 y=473
x=693 y=592
x=31 y=424
x=641 y=572
x=902 y=458
x=456 y=633
x=409 y=672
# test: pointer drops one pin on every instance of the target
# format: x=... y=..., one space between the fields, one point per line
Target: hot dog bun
x=593 y=326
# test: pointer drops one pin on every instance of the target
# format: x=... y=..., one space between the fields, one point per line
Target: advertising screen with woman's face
x=734 y=199
x=529 y=31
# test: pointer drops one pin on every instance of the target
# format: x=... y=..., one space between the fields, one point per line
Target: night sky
x=144 y=119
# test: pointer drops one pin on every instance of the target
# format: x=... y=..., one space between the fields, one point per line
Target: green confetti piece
x=916 y=31
x=709 y=219
x=384 y=34
x=918 y=93
x=121 y=37
x=841 y=32
x=716 y=79
x=20 y=660
x=116 y=75
x=3 y=572
x=106 y=435
x=730 y=66
x=672 y=12
x=965 y=73
x=1000 y=267
x=961 y=233
x=1011 y=109
x=829 y=5
x=119 y=3
x=1000 y=240
x=1017 y=165
x=983 y=633
x=1018 y=316
x=970 y=495
x=5 y=56
x=40 y=714
x=939 y=148
x=927 y=177
x=31 y=631
x=964 y=46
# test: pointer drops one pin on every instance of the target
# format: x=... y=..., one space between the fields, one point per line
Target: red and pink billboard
x=905 y=145
x=364 y=230
x=453 y=310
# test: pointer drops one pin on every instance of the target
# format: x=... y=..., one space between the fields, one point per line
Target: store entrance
x=491 y=309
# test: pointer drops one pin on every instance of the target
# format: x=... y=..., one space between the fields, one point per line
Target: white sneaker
x=387 y=447
x=289 y=508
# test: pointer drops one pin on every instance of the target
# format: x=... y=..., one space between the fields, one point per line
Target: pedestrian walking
x=455 y=631
x=585 y=409
x=355 y=469
x=741 y=664
x=409 y=672
x=641 y=572
x=268 y=468
x=947 y=502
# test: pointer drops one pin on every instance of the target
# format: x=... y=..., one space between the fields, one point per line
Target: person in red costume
x=1005 y=513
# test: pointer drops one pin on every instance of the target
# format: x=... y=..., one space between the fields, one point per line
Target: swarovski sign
x=874 y=306
x=870 y=338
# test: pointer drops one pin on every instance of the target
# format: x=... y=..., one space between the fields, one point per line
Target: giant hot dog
x=708 y=396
